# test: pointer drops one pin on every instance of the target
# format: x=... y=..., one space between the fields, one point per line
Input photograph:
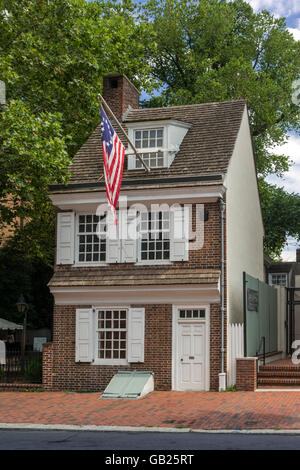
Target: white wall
x=244 y=224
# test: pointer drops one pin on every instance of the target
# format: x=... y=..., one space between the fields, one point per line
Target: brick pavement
x=196 y=410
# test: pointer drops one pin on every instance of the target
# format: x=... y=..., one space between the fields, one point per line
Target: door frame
x=175 y=335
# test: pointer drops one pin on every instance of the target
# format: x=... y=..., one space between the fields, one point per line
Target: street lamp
x=22 y=307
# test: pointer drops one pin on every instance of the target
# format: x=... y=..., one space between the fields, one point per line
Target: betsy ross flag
x=113 y=161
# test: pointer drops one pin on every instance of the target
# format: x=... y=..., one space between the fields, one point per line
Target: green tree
x=54 y=54
x=214 y=50
x=281 y=212
x=22 y=274
x=33 y=155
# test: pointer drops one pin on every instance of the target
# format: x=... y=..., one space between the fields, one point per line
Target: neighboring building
x=156 y=303
x=287 y=274
x=283 y=273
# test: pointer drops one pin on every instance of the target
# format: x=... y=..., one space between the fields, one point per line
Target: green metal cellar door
x=129 y=384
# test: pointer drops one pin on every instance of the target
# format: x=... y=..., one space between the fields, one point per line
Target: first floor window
x=112 y=334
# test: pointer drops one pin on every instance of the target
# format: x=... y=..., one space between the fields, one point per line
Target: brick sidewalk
x=197 y=410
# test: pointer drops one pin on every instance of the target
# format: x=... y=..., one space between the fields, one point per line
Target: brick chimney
x=298 y=255
x=119 y=93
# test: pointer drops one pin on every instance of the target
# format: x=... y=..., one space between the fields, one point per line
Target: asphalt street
x=112 y=441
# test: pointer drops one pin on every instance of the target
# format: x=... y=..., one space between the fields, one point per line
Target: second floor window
x=91 y=239
x=144 y=237
x=150 y=139
x=154 y=236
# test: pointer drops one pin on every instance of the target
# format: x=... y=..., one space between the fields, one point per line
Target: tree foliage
x=24 y=274
x=54 y=55
x=33 y=155
x=212 y=50
x=281 y=211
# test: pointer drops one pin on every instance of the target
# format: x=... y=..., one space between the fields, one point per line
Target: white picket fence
x=235 y=349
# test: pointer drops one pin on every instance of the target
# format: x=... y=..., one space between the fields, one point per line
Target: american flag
x=113 y=158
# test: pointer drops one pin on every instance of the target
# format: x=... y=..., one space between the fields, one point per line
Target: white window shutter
x=113 y=246
x=84 y=335
x=136 y=335
x=113 y=251
x=179 y=236
x=65 y=238
x=129 y=236
x=131 y=162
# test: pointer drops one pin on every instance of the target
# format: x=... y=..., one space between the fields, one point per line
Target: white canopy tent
x=9 y=325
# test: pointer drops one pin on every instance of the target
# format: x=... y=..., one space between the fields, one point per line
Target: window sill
x=88 y=264
x=153 y=263
x=111 y=362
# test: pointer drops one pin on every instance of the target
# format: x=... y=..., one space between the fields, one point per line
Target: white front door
x=191 y=356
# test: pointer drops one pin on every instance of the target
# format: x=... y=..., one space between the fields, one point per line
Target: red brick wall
x=67 y=374
x=79 y=376
x=207 y=257
x=47 y=366
x=246 y=374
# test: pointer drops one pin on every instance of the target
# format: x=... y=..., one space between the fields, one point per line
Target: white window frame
x=109 y=362
x=152 y=262
x=151 y=150
x=77 y=235
x=173 y=133
x=279 y=274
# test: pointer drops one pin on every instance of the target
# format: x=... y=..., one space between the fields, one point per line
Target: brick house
x=159 y=302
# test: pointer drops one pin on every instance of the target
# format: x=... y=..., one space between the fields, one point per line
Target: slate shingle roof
x=205 y=150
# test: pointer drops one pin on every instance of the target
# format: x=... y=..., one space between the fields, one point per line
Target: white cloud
x=289 y=252
x=296 y=31
x=291 y=180
x=278 y=7
x=291 y=148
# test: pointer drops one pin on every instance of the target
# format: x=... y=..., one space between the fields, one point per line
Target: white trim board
x=127 y=295
x=91 y=200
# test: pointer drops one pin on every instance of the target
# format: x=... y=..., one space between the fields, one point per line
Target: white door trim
x=175 y=357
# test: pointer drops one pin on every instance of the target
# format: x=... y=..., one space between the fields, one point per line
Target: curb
x=71 y=427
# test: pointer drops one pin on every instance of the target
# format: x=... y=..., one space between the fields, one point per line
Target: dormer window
x=158 y=142
x=151 y=139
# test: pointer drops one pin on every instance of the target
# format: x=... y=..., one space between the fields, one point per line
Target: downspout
x=222 y=375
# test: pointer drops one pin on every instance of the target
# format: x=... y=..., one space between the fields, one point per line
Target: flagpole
x=101 y=99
